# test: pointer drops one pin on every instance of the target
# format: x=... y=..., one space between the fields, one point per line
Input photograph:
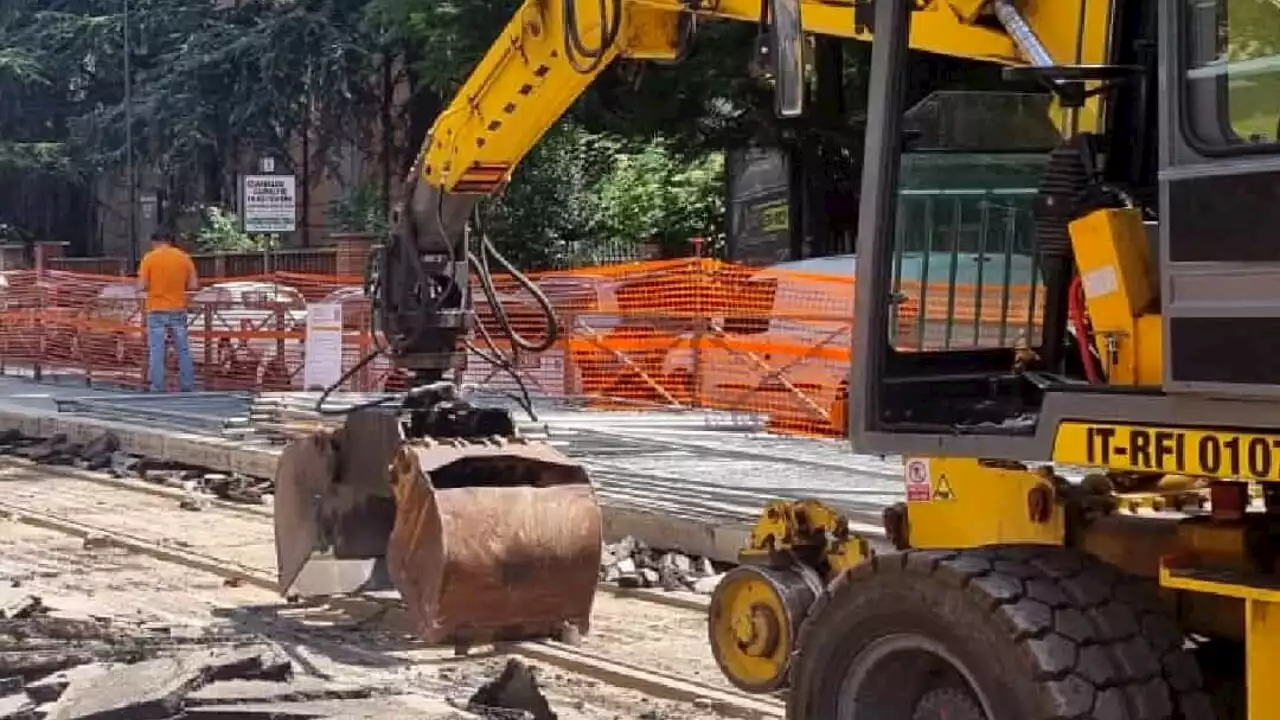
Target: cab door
x=1220 y=196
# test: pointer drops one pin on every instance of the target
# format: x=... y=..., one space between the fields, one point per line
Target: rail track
x=233 y=542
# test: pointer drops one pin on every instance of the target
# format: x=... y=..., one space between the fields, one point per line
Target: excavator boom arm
x=549 y=54
x=534 y=72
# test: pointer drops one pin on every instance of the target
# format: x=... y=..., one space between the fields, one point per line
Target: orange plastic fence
x=690 y=332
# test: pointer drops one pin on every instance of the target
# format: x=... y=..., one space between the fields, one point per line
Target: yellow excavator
x=1043 y=565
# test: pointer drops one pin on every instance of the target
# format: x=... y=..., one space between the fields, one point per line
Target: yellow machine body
x=1051 y=590
x=1122 y=293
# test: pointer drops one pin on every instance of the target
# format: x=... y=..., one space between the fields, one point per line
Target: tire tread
x=1101 y=644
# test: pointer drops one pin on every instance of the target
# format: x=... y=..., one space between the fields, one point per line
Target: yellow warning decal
x=943 y=491
x=1179 y=451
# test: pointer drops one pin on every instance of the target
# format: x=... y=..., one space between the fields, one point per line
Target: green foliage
x=650 y=195
x=213 y=83
x=548 y=209
x=583 y=197
x=35 y=158
x=362 y=209
x=221 y=231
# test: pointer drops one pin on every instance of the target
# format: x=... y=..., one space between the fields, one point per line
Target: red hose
x=1075 y=308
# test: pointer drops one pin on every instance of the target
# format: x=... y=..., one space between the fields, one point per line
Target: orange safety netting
x=691 y=332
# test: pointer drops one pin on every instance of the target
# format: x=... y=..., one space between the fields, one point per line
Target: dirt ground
x=81 y=577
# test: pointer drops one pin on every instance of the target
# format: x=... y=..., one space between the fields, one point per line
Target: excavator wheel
x=753 y=620
x=1008 y=633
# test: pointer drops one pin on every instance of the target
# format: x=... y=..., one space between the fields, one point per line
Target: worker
x=165 y=275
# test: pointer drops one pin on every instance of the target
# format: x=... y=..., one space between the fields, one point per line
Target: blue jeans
x=174 y=321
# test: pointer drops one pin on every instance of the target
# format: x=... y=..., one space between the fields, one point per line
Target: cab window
x=1232 y=93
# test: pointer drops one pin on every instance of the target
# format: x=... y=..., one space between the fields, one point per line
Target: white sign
x=147 y=202
x=322 y=363
x=270 y=203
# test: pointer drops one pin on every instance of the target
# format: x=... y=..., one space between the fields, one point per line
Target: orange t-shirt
x=166 y=271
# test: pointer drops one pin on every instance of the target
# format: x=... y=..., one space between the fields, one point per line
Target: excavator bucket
x=493 y=541
x=490 y=541
x=333 y=507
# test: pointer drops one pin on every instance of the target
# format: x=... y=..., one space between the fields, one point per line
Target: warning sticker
x=919 y=488
x=943 y=491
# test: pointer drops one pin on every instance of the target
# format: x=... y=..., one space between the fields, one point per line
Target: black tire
x=1031 y=633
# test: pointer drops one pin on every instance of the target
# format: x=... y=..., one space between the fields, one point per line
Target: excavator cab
x=987 y=401
x=1118 y=465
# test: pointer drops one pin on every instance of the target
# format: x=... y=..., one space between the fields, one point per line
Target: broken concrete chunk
x=95 y=540
x=630 y=581
x=20 y=607
x=124 y=465
x=677 y=561
x=194 y=503
x=260 y=691
x=708 y=585
x=149 y=690
x=50 y=687
x=104 y=444
x=17 y=705
x=516 y=689
x=261 y=661
x=379 y=708
x=97 y=453
x=12 y=436
x=631 y=564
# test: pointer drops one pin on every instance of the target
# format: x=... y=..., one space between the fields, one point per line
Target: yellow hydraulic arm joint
x=552 y=50
x=544 y=60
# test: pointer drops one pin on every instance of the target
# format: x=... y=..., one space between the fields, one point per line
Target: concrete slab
x=17 y=705
x=50 y=687
x=148 y=690
x=259 y=661
x=346 y=709
x=266 y=691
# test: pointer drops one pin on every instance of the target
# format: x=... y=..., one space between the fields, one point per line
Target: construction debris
x=103 y=453
x=630 y=563
x=64 y=668
x=514 y=695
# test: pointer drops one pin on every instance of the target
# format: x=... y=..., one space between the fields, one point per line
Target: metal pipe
x=1023 y=36
x=128 y=134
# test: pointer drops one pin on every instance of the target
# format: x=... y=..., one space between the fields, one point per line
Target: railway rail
x=235 y=546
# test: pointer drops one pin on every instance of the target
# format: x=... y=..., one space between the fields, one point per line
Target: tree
x=650 y=195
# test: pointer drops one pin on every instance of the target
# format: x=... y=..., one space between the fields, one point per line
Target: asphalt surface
x=686 y=464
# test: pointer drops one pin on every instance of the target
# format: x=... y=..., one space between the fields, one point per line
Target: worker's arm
x=193 y=279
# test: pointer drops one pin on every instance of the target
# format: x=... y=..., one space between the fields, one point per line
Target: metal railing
x=959 y=254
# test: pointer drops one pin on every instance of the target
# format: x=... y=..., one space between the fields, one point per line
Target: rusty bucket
x=493 y=541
